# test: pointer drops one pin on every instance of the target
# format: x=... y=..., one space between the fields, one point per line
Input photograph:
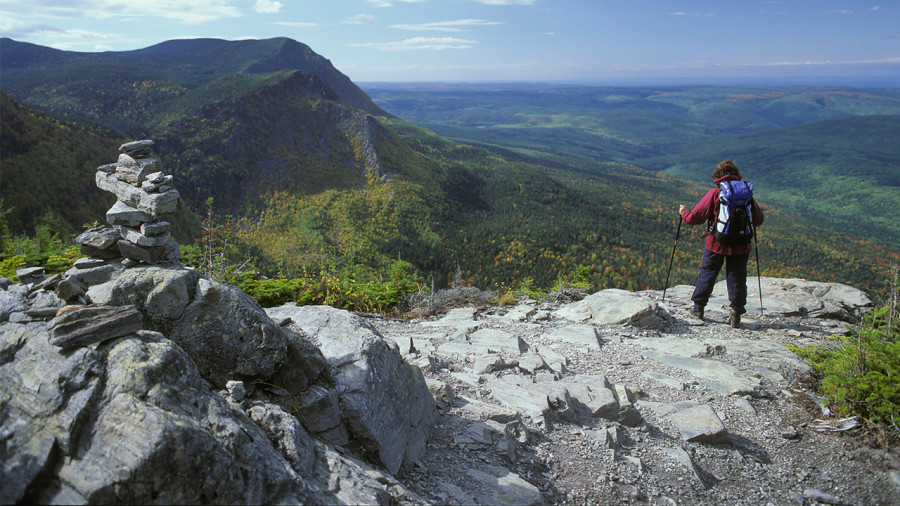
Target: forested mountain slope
x=314 y=181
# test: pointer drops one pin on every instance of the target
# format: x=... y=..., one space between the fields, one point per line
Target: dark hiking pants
x=735 y=279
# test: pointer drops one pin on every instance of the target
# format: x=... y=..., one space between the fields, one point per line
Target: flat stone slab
x=505 y=487
x=459 y=318
x=699 y=424
x=582 y=335
x=759 y=351
x=615 y=307
x=498 y=341
x=664 y=379
x=717 y=376
x=520 y=394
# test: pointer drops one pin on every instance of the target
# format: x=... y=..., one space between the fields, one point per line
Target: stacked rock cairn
x=144 y=196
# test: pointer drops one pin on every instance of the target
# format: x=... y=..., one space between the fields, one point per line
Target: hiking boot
x=697 y=313
x=734 y=319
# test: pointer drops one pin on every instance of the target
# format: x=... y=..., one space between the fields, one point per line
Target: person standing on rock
x=715 y=252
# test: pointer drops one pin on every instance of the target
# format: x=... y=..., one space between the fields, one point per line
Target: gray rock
x=91 y=276
x=107 y=168
x=498 y=341
x=665 y=379
x=168 y=429
x=46 y=398
x=154 y=204
x=321 y=413
x=222 y=328
x=685 y=459
x=615 y=307
x=488 y=363
x=521 y=395
x=135 y=170
x=12 y=301
x=288 y=435
x=531 y=362
x=155 y=229
x=99 y=238
x=502 y=486
x=699 y=424
x=103 y=254
x=163 y=184
x=137 y=148
x=161 y=293
x=384 y=401
x=822 y=497
x=717 y=376
x=45 y=302
x=461 y=318
x=30 y=275
x=169 y=252
x=123 y=214
x=236 y=390
x=94 y=325
x=135 y=236
x=70 y=289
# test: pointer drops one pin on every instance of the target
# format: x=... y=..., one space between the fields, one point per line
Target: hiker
x=734 y=253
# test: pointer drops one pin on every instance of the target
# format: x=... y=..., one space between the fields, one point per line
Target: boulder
x=174 y=440
x=615 y=307
x=160 y=293
x=385 y=403
x=225 y=330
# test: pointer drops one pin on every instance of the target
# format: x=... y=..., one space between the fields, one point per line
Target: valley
x=503 y=187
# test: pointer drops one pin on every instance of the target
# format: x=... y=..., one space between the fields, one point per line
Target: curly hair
x=725 y=168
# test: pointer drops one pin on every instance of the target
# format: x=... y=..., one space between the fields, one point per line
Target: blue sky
x=507 y=40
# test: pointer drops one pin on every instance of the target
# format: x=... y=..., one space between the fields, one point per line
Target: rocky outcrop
x=173 y=388
x=384 y=402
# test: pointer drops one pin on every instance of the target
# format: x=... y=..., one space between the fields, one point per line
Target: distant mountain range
x=314 y=171
x=797 y=144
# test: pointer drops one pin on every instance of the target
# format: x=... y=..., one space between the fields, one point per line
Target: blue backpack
x=734 y=219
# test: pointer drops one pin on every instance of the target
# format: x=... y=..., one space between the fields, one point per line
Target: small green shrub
x=861 y=373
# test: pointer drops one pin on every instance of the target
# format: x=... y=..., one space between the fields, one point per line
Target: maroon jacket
x=705 y=211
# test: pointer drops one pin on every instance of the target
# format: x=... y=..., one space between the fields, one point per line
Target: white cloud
x=448 y=26
x=875 y=8
x=840 y=11
x=420 y=44
x=549 y=33
x=193 y=12
x=682 y=13
x=361 y=19
x=267 y=6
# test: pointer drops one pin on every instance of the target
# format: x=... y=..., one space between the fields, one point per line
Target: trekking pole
x=677 y=233
x=758 y=279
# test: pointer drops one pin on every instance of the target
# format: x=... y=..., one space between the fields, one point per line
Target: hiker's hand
x=681 y=210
